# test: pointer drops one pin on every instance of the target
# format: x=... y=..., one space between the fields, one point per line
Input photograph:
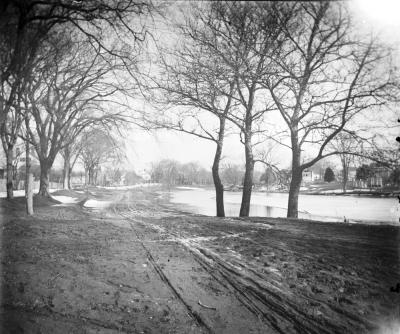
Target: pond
x=317 y=207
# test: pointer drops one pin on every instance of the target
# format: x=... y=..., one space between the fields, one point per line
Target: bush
x=329 y=176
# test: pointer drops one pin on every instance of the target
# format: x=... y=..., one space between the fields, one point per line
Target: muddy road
x=125 y=261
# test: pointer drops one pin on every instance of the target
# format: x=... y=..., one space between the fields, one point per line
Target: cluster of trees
x=113 y=175
x=171 y=172
x=62 y=65
x=367 y=172
x=364 y=172
x=98 y=147
x=238 y=65
x=94 y=148
x=280 y=178
x=232 y=174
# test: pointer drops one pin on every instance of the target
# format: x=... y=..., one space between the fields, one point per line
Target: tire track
x=216 y=273
x=193 y=314
x=271 y=307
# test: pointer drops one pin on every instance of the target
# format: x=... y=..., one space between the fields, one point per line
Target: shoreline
x=333 y=192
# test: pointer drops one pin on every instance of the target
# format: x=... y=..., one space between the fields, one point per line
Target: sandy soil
x=125 y=261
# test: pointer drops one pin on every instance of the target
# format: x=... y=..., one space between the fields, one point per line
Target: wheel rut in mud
x=165 y=279
x=272 y=307
x=197 y=285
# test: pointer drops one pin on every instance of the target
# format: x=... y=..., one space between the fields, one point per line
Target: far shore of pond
x=332 y=192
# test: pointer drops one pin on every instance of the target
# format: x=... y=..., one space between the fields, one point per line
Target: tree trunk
x=9 y=166
x=294 y=190
x=66 y=177
x=44 y=179
x=69 y=178
x=297 y=175
x=345 y=166
x=295 y=182
x=248 y=179
x=66 y=170
x=219 y=188
x=91 y=176
x=345 y=179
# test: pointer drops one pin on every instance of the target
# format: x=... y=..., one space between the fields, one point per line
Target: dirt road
x=132 y=264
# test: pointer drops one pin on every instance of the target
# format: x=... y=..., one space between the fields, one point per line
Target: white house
x=307 y=176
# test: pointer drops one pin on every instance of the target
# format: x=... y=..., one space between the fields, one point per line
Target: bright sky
x=382 y=14
x=143 y=148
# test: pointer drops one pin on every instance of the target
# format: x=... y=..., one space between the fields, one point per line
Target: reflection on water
x=319 y=207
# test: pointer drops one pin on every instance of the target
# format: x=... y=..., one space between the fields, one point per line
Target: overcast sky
x=143 y=148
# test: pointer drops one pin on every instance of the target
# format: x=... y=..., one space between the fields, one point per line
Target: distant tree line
x=172 y=173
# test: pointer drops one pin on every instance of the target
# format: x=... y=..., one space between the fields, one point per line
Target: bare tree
x=266 y=156
x=219 y=71
x=248 y=34
x=18 y=46
x=98 y=148
x=70 y=90
x=165 y=171
x=232 y=174
x=26 y=25
x=23 y=21
x=344 y=143
x=70 y=154
x=195 y=82
x=74 y=144
x=191 y=173
x=10 y=129
x=12 y=88
x=382 y=151
x=324 y=81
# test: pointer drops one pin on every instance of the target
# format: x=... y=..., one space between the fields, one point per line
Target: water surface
x=318 y=207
